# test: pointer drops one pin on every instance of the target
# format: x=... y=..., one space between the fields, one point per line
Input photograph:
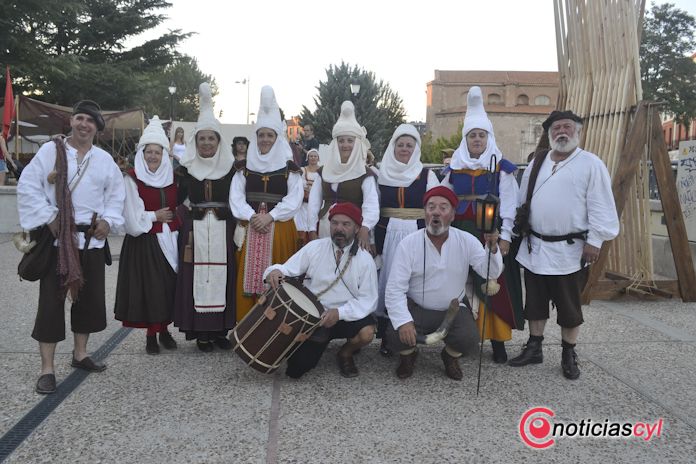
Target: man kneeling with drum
x=344 y=278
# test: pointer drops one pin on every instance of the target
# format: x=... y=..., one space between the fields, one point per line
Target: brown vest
x=347 y=191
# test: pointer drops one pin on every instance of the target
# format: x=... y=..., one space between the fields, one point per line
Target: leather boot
x=452 y=368
x=499 y=354
x=151 y=345
x=406 y=364
x=531 y=354
x=569 y=364
x=167 y=341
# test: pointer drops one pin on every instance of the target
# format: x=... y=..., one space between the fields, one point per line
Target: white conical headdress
x=336 y=171
x=394 y=173
x=269 y=118
x=475 y=118
x=221 y=163
x=347 y=124
x=164 y=175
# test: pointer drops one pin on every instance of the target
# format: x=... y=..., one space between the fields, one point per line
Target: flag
x=8 y=114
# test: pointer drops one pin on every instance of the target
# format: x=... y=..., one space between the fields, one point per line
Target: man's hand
x=492 y=241
x=260 y=222
x=329 y=318
x=407 y=334
x=504 y=246
x=274 y=278
x=102 y=230
x=164 y=215
x=364 y=238
x=53 y=227
x=590 y=254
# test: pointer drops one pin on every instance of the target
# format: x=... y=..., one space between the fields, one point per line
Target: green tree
x=431 y=150
x=377 y=106
x=61 y=51
x=668 y=72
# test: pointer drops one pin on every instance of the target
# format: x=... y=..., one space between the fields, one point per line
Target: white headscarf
x=269 y=118
x=164 y=175
x=334 y=171
x=476 y=118
x=394 y=173
x=220 y=164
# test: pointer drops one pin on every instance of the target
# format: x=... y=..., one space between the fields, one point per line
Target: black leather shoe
x=406 y=365
x=569 y=364
x=205 y=345
x=347 y=366
x=167 y=341
x=151 y=345
x=452 y=368
x=88 y=365
x=499 y=354
x=531 y=354
x=223 y=343
x=46 y=384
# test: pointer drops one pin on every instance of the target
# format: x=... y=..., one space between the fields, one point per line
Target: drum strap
x=339 y=277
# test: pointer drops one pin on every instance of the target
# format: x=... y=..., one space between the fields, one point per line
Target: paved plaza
x=638 y=364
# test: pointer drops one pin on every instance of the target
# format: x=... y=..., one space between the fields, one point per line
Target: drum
x=277 y=325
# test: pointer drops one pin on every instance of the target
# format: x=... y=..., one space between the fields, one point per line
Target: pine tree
x=377 y=106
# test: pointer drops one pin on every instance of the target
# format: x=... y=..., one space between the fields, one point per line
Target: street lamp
x=355 y=88
x=172 y=91
x=246 y=82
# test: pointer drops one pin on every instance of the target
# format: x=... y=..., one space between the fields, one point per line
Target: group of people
x=387 y=251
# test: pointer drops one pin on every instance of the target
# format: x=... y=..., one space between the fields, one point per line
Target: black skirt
x=146 y=283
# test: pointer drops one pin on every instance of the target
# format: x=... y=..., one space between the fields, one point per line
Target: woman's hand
x=364 y=238
x=261 y=222
x=164 y=215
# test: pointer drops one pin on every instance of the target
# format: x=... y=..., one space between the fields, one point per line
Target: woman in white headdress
x=309 y=175
x=402 y=181
x=204 y=306
x=265 y=196
x=469 y=176
x=148 y=263
x=345 y=177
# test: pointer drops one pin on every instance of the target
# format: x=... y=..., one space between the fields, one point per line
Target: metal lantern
x=487 y=213
x=487 y=208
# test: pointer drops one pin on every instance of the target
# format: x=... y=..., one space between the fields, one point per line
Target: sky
x=289 y=45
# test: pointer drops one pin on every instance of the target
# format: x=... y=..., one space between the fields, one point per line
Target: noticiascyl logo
x=538 y=430
x=535 y=428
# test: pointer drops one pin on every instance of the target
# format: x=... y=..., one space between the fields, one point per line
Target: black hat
x=557 y=116
x=240 y=138
x=91 y=108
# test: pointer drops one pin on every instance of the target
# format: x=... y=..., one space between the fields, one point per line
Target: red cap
x=441 y=191
x=349 y=209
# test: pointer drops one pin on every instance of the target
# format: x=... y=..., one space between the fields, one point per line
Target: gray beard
x=565 y=147
x=436 y=231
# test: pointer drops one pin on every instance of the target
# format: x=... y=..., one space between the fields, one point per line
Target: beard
x=436 y=230
x=565 y=144
x=340 y=239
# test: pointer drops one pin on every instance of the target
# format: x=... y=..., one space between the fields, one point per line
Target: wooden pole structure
x=16 y=103
x=671 y=208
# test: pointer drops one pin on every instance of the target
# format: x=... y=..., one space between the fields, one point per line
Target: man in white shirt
x=571 y=212
x=72 y=176
x=344 y=278
x=429 y=271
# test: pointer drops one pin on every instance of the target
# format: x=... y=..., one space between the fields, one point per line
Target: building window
x=542 y=100
x=522 y=99
x=495 y=99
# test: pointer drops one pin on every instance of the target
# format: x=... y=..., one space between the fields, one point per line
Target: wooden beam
x=671 y=208
x=606 y=289
x=621 y=184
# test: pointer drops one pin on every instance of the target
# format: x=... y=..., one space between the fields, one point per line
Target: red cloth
x=347 y=209
x=441 y=191
x=152 y=199
x=9 y=106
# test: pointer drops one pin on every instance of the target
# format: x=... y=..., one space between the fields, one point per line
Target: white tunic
x=370 y=205
x=138 y=222
x=101 y=190
x=577 y=197
x=397 y=229
x=433 y=279
x=283 y=211
x=508 y=191
x=302 y=221
x=355 y=296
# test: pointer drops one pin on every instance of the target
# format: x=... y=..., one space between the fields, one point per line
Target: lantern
x=487 y=213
